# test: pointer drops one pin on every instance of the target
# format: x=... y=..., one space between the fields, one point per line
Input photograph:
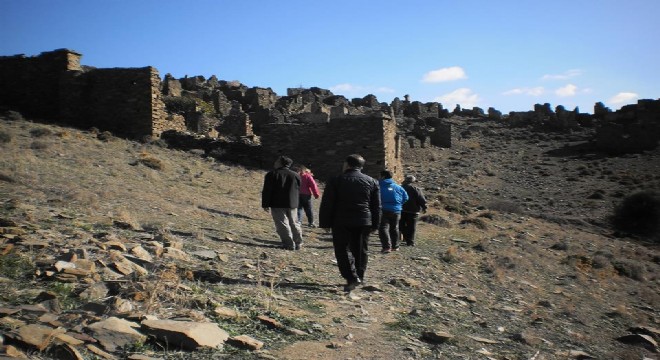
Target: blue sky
x=501 y=53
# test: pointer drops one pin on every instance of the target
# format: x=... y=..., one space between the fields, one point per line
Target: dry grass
x=504 y=259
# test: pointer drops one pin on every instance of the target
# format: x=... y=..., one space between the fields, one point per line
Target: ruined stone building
x=323 y=147
x=312 y=125
x=55 y=87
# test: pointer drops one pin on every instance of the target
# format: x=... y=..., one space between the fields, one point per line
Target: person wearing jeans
x=392 y=198
x=308 y=188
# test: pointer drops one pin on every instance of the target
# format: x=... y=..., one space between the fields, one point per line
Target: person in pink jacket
x=308 y=188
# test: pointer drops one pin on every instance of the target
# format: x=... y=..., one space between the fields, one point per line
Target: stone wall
x=633 y=128
x=32 y=85
x=323 y=147
x=53 y=86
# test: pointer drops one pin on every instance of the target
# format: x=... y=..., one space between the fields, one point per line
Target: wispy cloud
x=568 y=90
x=445 y=74
x=623 y=98
x=535 y=91
x=348 y=89
x=384 y=89
x=463 y=96
x=563 y=76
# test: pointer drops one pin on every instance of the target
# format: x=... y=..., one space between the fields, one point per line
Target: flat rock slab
x=186 y=334
x=35 y=336
x=114 y=333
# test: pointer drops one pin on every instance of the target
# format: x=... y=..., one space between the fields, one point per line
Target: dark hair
x=355 y=161
x=285 y=161
x=386 y=174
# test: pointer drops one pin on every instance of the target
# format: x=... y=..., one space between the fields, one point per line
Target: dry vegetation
x=504 y=281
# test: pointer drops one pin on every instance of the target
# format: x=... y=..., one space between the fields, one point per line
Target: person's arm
x=266 y=192
x=374 y=206
x=421 y=200
x=327 y=207
x=404 y=194
x=313 y=187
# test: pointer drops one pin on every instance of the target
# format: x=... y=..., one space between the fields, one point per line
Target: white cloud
x=463 y=96
x=623 y=98
x=568 y=90
x=564 y=76
x=444 y=74
x=348 y=89
x=345 y=87
x=535 y=91
x=383 y=89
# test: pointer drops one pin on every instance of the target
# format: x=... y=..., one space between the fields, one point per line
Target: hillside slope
x=509 y=263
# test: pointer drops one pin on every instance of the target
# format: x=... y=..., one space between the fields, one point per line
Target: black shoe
x=352 y=285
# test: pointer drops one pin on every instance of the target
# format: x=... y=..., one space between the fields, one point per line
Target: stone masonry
x=53 y=86
x=323 y=147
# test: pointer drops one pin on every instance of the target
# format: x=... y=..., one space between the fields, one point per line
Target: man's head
x=385 y=174
x=283 y=161
x=410 y=179
x=354 y=161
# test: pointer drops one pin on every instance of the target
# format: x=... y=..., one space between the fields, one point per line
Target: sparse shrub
x=39 y=145
x=479 y=223
x=504 y=206
x=160 y=143
x=629 y=268
x=179 y=104
x=104 y=136
x=7 y=178
x=151 y=162
x=639 y=214
x=488 y=215
x=4 y=137
x=15 y=266
x=40 y=132
x=600 y=262
x=450 y=255
x=563 y=246
x=435 y=220
x=14 y=115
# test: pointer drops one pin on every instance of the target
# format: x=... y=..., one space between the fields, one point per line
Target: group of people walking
x=353 y=205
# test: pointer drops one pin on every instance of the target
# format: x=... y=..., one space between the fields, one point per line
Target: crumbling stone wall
x=323 y=147
x=633 y=128
x=53 y=86
x=32 y=85
x=125 y=101
x=441 y=137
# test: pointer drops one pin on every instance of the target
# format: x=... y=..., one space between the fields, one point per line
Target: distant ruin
x=54 y=86
x=230 y=121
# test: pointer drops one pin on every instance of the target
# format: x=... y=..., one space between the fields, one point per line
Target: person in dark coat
x=410 y=211
x=280 y=196
x=350 y=206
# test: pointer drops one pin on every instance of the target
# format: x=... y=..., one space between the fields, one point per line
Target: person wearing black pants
x=350 y=206
x=351 y=251
x=392 y=198
x=410 y=211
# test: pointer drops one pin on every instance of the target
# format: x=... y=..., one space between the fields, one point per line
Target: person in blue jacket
x=392 y=198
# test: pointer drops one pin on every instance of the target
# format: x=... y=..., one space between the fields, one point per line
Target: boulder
x=186 y=334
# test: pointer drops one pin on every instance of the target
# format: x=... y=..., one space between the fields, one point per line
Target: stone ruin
x=234 y=122
x=633 y=128
x=55 y=87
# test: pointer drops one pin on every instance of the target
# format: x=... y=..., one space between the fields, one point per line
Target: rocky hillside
x=111 y=249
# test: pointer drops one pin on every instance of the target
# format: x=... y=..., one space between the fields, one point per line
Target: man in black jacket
x=411 y=208
x=351 y=207
x=280 y=196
